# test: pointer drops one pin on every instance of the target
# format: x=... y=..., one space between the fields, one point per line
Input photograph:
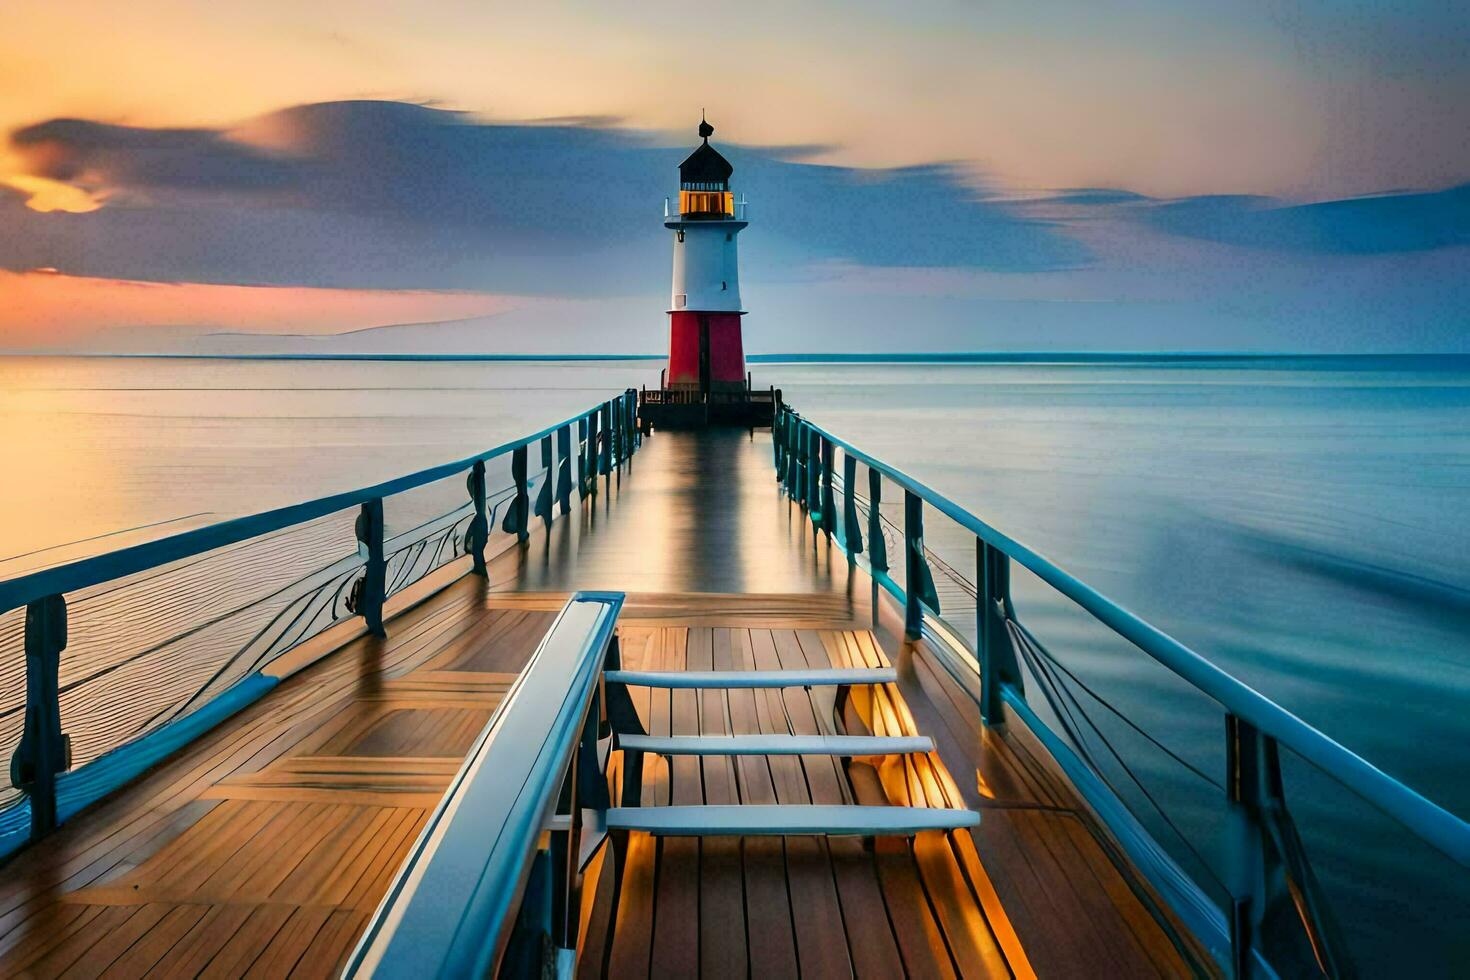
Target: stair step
x=839 y=745
x=751 y=678
x=778 y=820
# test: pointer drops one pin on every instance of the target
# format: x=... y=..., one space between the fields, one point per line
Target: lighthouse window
x=724 y=285
x=679 y=235
x=729 y=237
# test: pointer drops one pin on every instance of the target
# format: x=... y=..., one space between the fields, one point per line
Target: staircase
x=706 y=819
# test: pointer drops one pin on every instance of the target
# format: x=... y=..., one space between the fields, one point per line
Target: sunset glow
x=44 y=309
x=371 y=162
x=44 y=194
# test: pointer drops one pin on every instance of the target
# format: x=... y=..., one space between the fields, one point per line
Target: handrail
x=42 y=766
x=1428 y=820
x=450 y=909
x=96 y=569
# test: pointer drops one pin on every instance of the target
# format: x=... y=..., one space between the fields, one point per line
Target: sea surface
x=1301 y=523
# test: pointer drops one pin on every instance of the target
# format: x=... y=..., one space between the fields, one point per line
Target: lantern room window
x=701 y=203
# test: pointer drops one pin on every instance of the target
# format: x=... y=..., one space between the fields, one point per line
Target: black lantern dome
x=704 y=180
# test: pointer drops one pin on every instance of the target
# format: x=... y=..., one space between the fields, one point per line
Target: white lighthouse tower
x=706 y=354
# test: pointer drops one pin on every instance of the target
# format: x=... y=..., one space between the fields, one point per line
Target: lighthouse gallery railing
x=110 y=663
x=1266 y=868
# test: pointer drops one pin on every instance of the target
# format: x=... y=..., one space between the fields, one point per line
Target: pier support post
x=477 y=535
x=43 y=750
x=993 y=608
x=375 y=573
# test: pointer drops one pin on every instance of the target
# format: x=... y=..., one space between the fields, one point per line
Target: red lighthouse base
x=705 y=352
x=705 y=382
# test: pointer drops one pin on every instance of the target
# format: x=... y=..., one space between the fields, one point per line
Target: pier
x=775 y=746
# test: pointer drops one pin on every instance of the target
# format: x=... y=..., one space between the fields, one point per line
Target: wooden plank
x=58 y=924
x=54 y=960
x=722 y=945
x=140 y=958
x=676 y=920
x=289 y=944
x=920 y=940
x=632 y=938
x=822 y=774
x=719 y=772
x=330 y=946
x=768 y=909
x=815 y=909
x=191 y=954
x=969 y=938
x=870 y=937
x=722 y=935
x=787 y=776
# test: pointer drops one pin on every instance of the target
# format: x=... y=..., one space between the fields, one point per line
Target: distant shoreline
x=963 y=357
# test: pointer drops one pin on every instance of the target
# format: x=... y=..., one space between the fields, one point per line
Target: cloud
x=99 y=156
x=1404 y=222
x=396 y=195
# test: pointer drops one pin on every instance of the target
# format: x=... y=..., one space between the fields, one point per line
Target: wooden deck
x=263 y=848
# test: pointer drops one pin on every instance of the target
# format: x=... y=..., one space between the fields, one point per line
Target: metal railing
x=460 y=905
x=1268 y=865
x=138 y=651
x=672 y=211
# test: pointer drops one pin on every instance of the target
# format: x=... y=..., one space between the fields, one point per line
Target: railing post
x=778 y=422
x=852 y=533
x=518 y=514
x=564 y=468
x=590 y=450
x=814 y=476
x=877 y=544
x=604 y=456
x=914 y=565
x=615 y=430
x=998 y=665
x=829 y=512
x=793 y=457
x=1268 y=866
x=43 y=750
x=375 y=572
x=630 y=419
x=1246 y=875
x=478 y=533
x=544 y=495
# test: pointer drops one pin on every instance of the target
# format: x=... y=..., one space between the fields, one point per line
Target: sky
x=478 y=177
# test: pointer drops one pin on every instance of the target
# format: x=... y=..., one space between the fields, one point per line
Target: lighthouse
x=705 y=349
x=705 y=381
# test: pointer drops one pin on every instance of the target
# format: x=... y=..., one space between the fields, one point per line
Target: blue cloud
x=394 y=195
x=1405 y=222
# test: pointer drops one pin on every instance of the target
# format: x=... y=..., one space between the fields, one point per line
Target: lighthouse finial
x=705 y=129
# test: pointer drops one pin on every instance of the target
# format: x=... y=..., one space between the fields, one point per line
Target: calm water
x=1302 y=526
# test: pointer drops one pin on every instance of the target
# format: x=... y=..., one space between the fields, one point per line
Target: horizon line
x=871 y=357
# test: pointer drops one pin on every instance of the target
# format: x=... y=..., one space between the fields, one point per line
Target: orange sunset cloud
x=44 y=309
